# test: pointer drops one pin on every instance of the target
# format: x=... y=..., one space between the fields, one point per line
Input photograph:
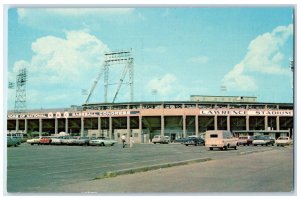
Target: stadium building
x=143 y=120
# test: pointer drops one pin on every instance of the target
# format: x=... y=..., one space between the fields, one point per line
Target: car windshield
x=259 y=137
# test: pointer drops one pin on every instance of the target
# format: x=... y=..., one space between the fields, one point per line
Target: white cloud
x=20 y=65
x=164 y=85
x=68 y=64
x=63 y=59
x=199 y=59
x=264 y=56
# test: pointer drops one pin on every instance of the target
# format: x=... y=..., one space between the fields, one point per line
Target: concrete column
x=247 y=122
x=196 y=124
x=55 y=126
x=184 y=125
x=67 y=125
x=17 y=125
x=128 y=128
x=266 y=122
x=110 y=127
x=40 y=127
x=228 y=123
x=26 y=126
x=277 y=123
x=216 y=122
x=162 y=125
x=99 y=125
x=82 y=127
x=141 y=129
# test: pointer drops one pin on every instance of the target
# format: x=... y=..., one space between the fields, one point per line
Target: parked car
x=245 y=140
x=181 y=140
x=45 y=140
x=220 y=139
x=68 y=140
x=33 y=141
x=160 y=139
x=263 y=140
x=167 y=139
x=57 y=140
x=82 y=141
x=102 y=141
x=283 y=141
x=192 y=140
x=13 y=141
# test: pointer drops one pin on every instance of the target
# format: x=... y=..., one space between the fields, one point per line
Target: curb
x=255 y=151
x=111 y=174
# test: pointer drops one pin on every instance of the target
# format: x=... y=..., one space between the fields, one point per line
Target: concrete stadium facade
x=143 y=120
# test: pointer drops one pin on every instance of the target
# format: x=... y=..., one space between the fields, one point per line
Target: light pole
x=154 y=92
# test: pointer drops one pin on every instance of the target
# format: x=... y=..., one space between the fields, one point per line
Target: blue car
x=196 y=141
x=12 y=141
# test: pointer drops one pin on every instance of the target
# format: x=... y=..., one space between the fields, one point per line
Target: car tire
x=210 y=148
x=102 y=144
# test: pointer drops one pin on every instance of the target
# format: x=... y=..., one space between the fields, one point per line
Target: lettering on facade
x=223 y=112
x=246 y=112
x=72 y=114
x=270 y=113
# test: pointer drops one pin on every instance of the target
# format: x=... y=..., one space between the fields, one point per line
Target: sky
x=177 y=51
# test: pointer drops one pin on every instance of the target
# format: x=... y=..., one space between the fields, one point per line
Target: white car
x=68 y=140
x=56 y=140
x=102 y=141
x=161 y=139
x=283 y=140
x=33 y=141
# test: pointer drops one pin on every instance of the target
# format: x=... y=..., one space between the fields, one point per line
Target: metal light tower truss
x=115 y=58
x=20 y=101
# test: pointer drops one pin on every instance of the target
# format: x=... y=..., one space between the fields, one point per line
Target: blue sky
x=177 y=51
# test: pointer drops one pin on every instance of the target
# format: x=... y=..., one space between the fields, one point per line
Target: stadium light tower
x=20 y=101
x=115 y=58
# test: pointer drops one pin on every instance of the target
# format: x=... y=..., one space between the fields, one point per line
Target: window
x=214 y=136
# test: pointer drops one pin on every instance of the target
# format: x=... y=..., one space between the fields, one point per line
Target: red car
x=45 y=140
x=245 y=140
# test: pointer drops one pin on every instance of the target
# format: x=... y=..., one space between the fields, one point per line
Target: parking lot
x=44 y=168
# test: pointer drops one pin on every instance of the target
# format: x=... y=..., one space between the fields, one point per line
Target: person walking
x=131 y=141
x=123 y=138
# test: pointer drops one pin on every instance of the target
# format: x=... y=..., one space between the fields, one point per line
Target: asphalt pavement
x=65 y=169
x=254 y=173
